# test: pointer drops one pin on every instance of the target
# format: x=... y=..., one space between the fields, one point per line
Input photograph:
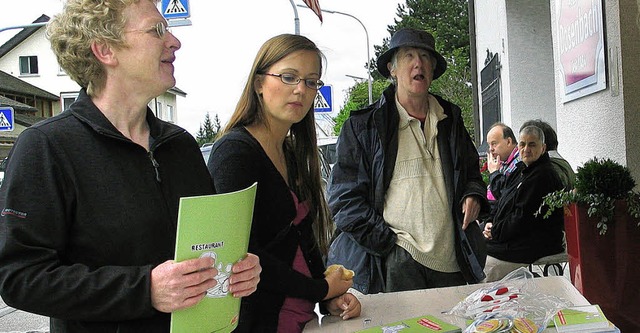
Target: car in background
x=328 y=157
x=206 y=151
x=3 y=166
x=326 y=154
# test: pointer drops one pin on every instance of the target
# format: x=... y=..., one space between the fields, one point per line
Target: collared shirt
x=506 y=169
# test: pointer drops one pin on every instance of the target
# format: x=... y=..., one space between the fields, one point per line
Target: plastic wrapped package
x=513 y=304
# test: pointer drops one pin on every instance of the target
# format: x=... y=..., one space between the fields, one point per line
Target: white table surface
x=384 y=308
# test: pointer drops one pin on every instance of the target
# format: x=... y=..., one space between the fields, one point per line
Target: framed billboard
x=581 y=47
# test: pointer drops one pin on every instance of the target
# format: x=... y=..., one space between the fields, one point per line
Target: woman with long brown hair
x=270 y=139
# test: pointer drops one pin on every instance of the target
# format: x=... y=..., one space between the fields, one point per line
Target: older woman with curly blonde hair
x=90 y=201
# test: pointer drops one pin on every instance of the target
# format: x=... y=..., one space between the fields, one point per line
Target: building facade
x=533 y=55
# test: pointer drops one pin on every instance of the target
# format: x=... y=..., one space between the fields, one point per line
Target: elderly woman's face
x=531 y=148
x=413 y=71
x=146 y=64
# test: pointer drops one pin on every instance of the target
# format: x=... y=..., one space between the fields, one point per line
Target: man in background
x=502 y=158
x=562 y=167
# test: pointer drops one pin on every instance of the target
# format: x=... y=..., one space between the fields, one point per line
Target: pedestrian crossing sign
x=324 y=99
x=174 y=9
x=6 y=118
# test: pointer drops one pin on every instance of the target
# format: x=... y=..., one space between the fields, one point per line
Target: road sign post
x=324 y=99
x=175 y=9
x=6 y=119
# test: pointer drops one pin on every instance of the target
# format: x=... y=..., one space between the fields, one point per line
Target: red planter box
x=606 y=268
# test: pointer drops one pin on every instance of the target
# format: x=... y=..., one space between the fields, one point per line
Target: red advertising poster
x=581 y=47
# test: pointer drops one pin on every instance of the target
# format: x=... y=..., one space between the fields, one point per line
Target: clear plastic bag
x=512 y=304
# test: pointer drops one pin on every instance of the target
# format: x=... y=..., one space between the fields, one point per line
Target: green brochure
x=580 y=318
x=217 y=226
x=425 y=323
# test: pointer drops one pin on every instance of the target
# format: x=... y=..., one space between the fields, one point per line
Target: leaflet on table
x=580 y=318
x=425 y=323
x=216 y=226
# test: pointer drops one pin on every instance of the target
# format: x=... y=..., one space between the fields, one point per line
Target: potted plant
x=600 y=183
x=602 y=226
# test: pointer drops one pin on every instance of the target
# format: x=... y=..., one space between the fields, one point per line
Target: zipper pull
x=156 y=165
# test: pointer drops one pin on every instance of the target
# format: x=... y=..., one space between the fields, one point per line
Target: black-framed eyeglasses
x=293 y=80
x=159 y=29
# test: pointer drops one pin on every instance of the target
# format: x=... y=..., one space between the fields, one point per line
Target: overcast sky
x=220 y=45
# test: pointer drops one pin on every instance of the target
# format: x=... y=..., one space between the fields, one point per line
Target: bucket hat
x=411 y=38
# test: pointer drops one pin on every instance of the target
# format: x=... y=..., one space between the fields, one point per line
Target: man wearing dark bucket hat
x=406 y=189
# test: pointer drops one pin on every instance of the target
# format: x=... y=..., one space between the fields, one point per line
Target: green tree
x=208 y=130
x=358 y=98
x=448 y=22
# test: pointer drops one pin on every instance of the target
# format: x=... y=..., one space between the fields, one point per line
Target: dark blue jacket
x=367 y=149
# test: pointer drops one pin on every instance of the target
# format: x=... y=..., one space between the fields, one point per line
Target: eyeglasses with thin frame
x=293 y=80
x=159 y=29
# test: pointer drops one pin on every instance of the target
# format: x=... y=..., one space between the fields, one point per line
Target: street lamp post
x=365 y=32
x=32 y=25
x=355 y=77
x=296 y=20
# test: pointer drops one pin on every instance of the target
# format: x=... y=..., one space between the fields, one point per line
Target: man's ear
x=391 y=69
x=103 y=53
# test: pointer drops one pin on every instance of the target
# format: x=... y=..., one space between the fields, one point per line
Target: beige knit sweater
x=416 y=203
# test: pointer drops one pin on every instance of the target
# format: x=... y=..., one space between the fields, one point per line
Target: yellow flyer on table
x=217 y=226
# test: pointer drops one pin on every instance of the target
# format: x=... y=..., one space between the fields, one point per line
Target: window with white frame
x=28 y=65
x=170 y=113
x=159 y=110
x=67 y=99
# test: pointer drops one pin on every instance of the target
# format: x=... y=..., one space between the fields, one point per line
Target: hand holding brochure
x=217 y=226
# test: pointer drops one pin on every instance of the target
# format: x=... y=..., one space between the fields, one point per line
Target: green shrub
x=599 y=183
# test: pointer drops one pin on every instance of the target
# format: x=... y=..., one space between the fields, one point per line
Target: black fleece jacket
x=87 y=213
x=518 y=235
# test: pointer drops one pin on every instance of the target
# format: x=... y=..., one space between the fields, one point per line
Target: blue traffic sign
x=6 y=118
x=324 y=99
x=174 y=9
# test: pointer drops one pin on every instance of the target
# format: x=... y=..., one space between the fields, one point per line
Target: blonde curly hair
x=81 y=23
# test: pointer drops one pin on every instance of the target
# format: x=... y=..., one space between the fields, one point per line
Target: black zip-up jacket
x=367 y=149
x=87 y=213
x=518 y=235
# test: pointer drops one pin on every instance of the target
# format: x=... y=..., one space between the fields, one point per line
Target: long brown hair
x=301 y=143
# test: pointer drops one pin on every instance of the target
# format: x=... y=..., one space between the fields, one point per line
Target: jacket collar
x=87 y=112
x=544 y=158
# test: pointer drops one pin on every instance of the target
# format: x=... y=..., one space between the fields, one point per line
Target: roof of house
x=21 y=36
x=178 y=91
x=17 y=106
x=27 y=120
x=11 y=84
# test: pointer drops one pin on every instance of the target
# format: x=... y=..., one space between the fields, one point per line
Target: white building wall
x=604 y=124
x=530 y=62
x=593 y=125
x=520 y=32
x=49 y=77
x=491 y=35
x=160 y=106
